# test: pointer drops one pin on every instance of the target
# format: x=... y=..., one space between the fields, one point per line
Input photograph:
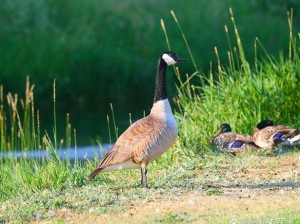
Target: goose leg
x=144 y=177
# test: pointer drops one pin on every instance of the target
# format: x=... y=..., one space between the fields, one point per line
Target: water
x=80 y=153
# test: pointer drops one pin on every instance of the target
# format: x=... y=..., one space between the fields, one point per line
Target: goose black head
x=264 y=123
x=171 y=58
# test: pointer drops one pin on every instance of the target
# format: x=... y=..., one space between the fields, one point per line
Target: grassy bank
x=190 y=181
x=238 y=93
x=211 y=189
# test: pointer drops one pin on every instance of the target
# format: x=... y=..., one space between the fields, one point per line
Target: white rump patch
x=122 y=166
x=168 y=59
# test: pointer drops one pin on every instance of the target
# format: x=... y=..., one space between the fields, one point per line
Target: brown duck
x=267 y=135
x=227 y=141
x=149 y=137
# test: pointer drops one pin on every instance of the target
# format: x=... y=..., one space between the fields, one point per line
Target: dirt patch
x=233 y=204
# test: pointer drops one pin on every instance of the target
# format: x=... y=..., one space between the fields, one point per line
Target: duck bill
x=211 y=141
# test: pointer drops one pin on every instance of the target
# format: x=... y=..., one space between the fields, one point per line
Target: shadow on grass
x=262 y=185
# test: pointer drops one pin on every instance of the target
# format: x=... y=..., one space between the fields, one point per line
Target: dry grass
x=195 y=208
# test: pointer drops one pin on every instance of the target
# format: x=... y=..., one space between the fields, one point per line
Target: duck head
x=264 y=124
x=224 y=127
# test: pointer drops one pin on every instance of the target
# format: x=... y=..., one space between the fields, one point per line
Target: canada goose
x=149 y=137
x=267 y=135
x=233 y=143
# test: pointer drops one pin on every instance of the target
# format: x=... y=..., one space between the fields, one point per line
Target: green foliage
x=169 y=218
x=213 y=191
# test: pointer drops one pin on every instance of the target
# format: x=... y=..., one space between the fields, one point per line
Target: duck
x=147 y=138
x=227 y=141
x=267 y=135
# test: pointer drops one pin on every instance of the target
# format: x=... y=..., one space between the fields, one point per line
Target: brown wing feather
x=227 y=137
x=133 y=144
x=140 y=137
x=231 y=136
x=287 y=131
x=114 y=156
x=244 y=138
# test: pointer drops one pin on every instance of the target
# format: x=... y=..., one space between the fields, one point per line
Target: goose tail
x=94 y=173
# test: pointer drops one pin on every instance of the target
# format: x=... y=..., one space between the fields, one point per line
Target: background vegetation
x=246 y=85
x=103 y=52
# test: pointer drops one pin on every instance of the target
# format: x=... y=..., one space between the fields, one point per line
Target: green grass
x=169 y=218
x=237 y=93
x=114 y=193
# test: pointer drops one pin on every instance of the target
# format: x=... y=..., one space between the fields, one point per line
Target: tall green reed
x=19 y=121
x=20 y=126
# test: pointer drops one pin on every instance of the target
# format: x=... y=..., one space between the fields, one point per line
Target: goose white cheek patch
x=168 y=59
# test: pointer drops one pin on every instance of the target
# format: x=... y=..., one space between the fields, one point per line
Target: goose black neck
x=160 y=87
